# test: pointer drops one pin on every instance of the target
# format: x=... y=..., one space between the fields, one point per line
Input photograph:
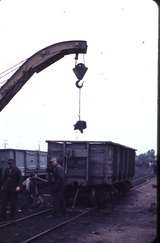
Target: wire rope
x=8 y=69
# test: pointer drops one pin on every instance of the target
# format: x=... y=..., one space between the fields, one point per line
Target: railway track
x=59 y=225
x=139 y=180
x=32 y=227
x=20 y=219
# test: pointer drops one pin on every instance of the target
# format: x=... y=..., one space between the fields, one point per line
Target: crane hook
x=77 y=84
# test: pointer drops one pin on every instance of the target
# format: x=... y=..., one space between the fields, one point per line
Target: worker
x=56 y=182
x=11 y=182
x=32 y=191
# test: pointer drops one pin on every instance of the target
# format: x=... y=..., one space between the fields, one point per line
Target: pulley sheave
x=80 y=70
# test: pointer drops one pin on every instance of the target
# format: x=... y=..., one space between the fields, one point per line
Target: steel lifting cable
x=79 y=70
x=80 y=92
x=8 y=72
x=11 y=69
x=79 y=114
x=3 y=82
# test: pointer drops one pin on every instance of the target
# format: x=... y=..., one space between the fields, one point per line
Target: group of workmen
x=11 y=186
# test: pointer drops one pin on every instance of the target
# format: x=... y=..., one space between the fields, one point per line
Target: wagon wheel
x=100 y=197
x=92 y=197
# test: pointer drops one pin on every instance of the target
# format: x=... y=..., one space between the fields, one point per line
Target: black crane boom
x=37 y=63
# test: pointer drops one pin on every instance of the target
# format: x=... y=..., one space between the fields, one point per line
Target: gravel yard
x=132 y=219
x=129 y=219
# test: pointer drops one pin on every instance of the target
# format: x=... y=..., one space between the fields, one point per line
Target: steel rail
x=142 y=178
x=35 y=237
x=24 y=218
x=141 y=184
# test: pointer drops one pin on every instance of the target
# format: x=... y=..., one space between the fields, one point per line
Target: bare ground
x=132 y=219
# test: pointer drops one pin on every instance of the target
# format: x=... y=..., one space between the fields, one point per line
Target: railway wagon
x=101 y=167
x=26 y=160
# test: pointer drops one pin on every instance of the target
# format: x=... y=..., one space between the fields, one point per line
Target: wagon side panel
x=20 y=160
x=31 y=161
x=42 y=162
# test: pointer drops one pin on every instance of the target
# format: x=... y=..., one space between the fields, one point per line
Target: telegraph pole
x=5 y=144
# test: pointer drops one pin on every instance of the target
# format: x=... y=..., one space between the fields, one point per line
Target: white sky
x=119 y=97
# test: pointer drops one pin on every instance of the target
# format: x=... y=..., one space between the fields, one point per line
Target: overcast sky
x=119 y=96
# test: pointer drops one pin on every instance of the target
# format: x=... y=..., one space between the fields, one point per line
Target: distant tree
x=151 y=155
x=147 y=157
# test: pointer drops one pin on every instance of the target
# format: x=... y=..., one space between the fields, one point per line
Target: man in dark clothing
x=56 y=182
x=10 y=186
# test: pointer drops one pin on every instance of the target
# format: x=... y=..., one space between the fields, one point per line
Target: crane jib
x=36 y=63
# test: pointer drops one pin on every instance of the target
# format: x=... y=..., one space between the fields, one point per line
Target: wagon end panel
x=98 y=170
x=74 y=157
x=56 y=150
x=76 y=161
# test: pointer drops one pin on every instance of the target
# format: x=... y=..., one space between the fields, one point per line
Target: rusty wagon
x=27 y=161
x=99 y=169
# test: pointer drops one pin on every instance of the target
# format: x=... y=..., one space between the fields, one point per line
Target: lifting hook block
x=80 y=70
x=77 y=84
